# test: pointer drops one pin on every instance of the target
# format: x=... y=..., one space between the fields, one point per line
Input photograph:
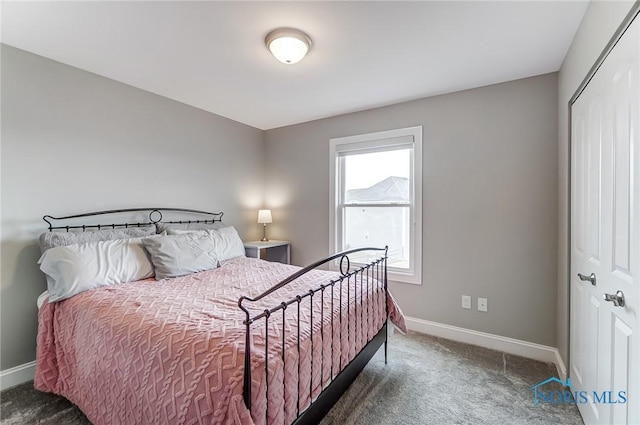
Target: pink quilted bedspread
x=172 y=351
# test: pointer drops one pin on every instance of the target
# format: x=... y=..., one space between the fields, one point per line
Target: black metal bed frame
x=374 y=271
x=216 y=217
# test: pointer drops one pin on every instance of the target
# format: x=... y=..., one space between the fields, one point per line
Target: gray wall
x=73 y=142
x=490 y=201
x=598 y=25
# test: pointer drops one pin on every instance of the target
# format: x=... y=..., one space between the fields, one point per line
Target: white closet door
x=605 y=238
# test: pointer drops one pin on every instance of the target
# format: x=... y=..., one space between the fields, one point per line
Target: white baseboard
x=560 y=366
x=517 y=347
x=17 y=375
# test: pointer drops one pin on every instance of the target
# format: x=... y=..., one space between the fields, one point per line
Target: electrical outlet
x=466 y=302
x=482 y=304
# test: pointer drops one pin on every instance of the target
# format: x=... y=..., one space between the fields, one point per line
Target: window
x=376 y=197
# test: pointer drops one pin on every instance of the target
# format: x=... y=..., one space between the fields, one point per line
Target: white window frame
x=377 y=142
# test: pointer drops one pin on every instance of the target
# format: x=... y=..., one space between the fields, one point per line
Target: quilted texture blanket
x=172 y=351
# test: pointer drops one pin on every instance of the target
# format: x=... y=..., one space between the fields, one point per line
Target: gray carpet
x=432 y=380
x=427 y=381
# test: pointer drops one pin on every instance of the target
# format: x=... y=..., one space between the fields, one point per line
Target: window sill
x=404 y=278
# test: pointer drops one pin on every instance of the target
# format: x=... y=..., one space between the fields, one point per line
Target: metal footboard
x=370 y=277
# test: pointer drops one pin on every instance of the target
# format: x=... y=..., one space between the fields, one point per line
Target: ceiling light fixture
x=288 y=45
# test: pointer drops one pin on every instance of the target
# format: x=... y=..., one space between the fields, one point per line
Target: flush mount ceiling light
x=288 y=45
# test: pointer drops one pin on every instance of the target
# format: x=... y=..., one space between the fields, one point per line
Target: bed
x=247 y=342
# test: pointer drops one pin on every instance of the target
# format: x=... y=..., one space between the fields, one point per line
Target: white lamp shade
x=288 y=45
x=264 y=216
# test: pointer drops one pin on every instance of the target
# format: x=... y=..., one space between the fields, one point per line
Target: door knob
x=617 y=299
x=591 y=278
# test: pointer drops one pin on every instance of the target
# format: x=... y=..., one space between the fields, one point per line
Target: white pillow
x=172 y=232
x=77 y=268
x=226 y=239
x=228 y=243
x=177 y=255
x=53 y=239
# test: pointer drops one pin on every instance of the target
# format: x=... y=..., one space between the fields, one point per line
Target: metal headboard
x=155 y=216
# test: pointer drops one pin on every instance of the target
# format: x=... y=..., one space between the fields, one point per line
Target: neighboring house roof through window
x=391 y=189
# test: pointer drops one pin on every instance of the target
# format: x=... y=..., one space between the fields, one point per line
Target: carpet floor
x=427 y=380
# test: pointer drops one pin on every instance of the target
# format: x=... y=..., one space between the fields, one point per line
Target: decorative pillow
x=77 y=268
x=169 y=227
x=53 y=239
x=177 y=255
x=228 y=243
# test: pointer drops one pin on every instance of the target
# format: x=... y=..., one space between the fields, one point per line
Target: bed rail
x=376 y=274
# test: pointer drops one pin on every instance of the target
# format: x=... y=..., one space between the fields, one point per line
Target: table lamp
x=264 y=217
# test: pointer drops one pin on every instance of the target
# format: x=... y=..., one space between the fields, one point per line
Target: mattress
x=42 y=298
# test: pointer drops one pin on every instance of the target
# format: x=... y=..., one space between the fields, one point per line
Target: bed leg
x=386 y=338
x=386 y=303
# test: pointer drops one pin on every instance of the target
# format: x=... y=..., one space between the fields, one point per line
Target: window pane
x=377 y=177
x=377 y=227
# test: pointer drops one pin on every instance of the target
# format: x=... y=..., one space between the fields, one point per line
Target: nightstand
x=278 y=251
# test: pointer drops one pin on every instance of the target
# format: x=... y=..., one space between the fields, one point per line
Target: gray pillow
x=167 y=227
x=226 y=240
x=53 y=239
x=177 y=255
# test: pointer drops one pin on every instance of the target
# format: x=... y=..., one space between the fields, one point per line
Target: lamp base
x=264 y=240
x=264 y=234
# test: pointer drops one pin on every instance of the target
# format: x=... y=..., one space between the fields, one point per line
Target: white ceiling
x=211 y=55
